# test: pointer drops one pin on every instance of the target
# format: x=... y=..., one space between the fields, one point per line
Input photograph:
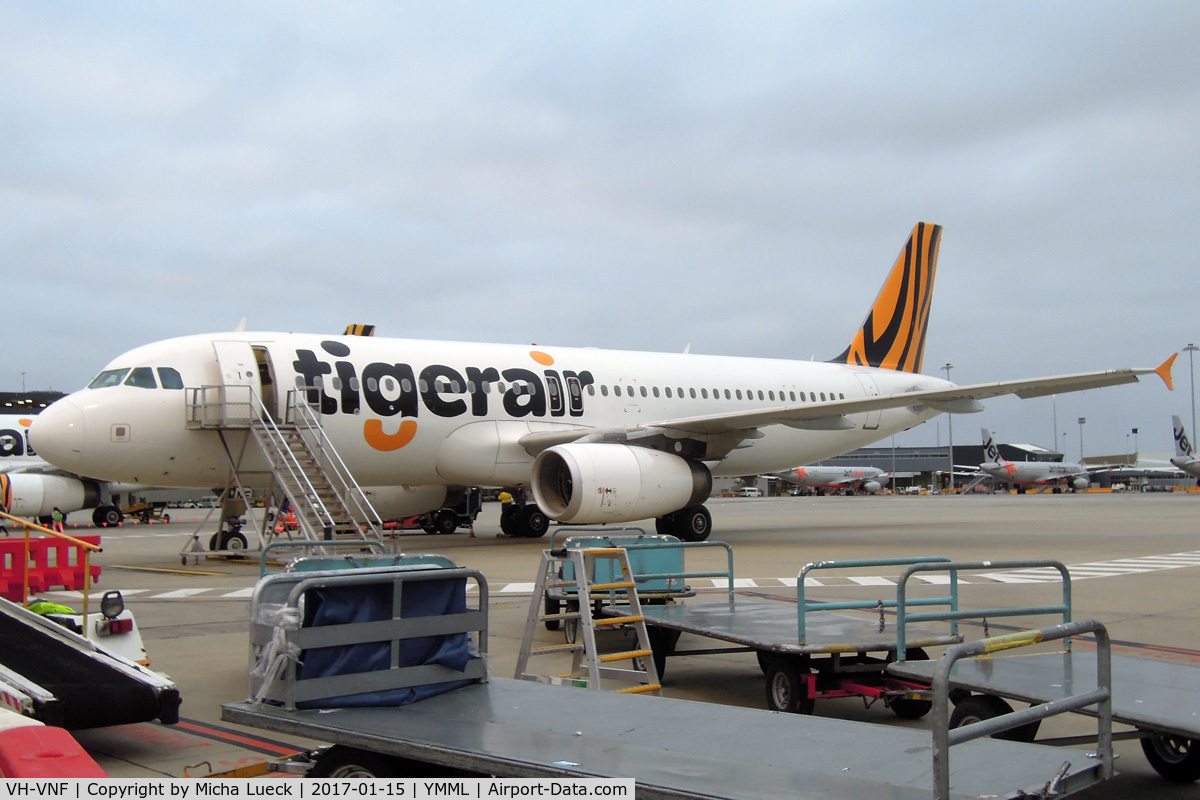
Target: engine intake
x=615 y=483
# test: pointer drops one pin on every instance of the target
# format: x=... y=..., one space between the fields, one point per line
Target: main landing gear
x=524 y=521
x=691 y=524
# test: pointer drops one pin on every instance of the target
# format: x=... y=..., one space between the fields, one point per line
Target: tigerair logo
x=399 y=390
x=15 y=442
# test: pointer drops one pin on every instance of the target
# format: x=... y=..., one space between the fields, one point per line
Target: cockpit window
x=110 y=377
x=142 y=377
x=169 y=378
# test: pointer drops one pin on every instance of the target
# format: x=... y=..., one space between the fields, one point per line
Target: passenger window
x=643 y=391
x=739 y=394
x=704 y=393
x=169 y=378
x=692 y=392
x=603 y=389
x=110 y=377
x=656 y=391
x=616 y=391
x=142 y=378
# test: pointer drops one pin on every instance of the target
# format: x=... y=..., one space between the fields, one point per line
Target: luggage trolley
x=1159 y=699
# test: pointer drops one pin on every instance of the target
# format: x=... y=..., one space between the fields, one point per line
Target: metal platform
x=1149 y=693
x=674 y=748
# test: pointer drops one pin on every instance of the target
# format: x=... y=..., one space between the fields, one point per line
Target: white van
x=750 y=491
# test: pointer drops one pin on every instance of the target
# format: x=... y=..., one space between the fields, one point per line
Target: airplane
x=1185 y=457
x=867 y=479
x=1024 y=473
x=598 y=436
x=31 y=487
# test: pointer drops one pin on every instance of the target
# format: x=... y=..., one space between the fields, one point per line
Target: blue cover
x=342 y=605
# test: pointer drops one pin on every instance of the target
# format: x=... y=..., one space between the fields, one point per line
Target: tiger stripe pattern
x=893 y=334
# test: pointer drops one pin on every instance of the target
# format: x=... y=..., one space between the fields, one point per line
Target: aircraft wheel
x=531 y=522
x=665 y=526
x=446 y=522
x=107 y=516
x=980 y=707
x=786 y=688
x=1175 y=758
x=693 y=524
x=227 y=540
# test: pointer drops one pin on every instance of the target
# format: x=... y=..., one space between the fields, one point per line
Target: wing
x=834 y=415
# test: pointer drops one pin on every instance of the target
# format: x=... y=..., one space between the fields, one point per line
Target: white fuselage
x=1033 y=471
x=413 y=413
x=831 y=476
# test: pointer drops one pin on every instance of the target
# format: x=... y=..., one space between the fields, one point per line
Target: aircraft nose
x=57 y=434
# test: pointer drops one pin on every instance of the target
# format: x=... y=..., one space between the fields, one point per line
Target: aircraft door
x=868 y=383
x=239 y=375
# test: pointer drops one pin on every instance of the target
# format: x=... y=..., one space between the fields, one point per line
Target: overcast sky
x=736 y=176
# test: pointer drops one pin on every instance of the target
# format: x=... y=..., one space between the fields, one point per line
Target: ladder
x=325 y=498
x=568 y=568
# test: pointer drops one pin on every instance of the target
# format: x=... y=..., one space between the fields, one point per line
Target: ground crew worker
x=58 y=517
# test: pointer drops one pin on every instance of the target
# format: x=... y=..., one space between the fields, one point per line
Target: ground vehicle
x=749 y=491
x=459 y=511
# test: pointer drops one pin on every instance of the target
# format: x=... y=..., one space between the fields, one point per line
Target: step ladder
x=575 y=568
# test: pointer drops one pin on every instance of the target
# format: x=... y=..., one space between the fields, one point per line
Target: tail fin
x=893 y=334
x=1183 y=445
x=990 y=451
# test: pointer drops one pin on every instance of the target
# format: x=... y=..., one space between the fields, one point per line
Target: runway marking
x=1079 y=572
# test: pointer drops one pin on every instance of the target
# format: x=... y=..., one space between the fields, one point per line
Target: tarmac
x=1134 y=559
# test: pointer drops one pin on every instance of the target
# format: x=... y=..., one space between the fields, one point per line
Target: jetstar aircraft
x=868 y=479
x=1023 y=473
x=1185 y=456
x=598 y=436
x=30 y=487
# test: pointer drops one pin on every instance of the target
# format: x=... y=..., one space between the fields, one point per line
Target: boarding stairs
x=573 y=569
x=971 y=484
x=304 y=466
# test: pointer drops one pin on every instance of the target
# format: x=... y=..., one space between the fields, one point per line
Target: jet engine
x=1080 y=483
x=29 y=494
x=872 y=486
x=586 y=483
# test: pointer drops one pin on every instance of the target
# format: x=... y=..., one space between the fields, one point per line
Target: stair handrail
x=308 y=492
x=301 y=412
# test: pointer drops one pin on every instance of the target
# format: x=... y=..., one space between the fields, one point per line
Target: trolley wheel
x=980 y=707
x=764 y=660
x=552 y=606
x=662 y=644
x=786 y=688
x=905 y=707
x=1175 y=758
x=340 y=761
x=571 y=626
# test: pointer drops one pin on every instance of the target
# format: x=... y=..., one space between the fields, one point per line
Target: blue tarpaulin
x=373 y=602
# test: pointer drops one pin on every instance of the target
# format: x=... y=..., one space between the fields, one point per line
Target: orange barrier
x=35 y=751
x=52 y=564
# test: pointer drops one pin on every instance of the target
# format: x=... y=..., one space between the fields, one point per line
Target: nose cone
x=57 y=434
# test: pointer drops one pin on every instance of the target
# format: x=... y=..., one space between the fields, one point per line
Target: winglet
x=1164 y=371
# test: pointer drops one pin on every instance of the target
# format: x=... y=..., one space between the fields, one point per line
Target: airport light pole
x=1082 y=420
x=1135 y=445
x=1191 y=348
x=950 y=425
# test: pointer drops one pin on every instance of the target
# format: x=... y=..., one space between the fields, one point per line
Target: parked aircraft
x=1185 y=456
x=867 y=479
x=1024 y=473
x=597 y=435
x=30 y=487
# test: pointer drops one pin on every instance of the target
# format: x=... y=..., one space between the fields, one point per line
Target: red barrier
x=53 y=564
x=34 y=751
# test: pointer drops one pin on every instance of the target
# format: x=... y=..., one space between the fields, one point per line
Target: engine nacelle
x=391 y=502
x=27 y=494
x=1080 y=483
x=615 y=483
x=872 y=486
